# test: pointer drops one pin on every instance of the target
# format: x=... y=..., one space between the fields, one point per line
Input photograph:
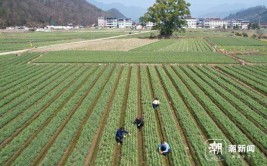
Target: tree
x=168 y=15
x=253 y=26
x=260 y=32
x=142 y=21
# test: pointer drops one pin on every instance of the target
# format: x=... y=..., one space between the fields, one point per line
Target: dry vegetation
x=102 y=45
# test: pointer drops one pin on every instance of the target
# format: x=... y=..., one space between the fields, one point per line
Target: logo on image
x=215 y=149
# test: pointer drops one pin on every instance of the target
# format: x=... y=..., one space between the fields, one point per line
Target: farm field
x=184 y=50
x=238 y=44
x=181 y=45
x=67 y=114
x=132 y=57
x=256 y=58
x=19 y=40
x=62 y=104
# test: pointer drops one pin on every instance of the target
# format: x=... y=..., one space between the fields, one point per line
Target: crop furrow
x=258 y=88
x=242 y=124
x=241 y=87
x=160 y=125
x=228 y=128
x=117 y=150
x=25 y=80
x=40 y=110
x=236 y=102
x=24 y=101
x=95 y=141
x=44 y=151
x=190 y=152
x=141 y=149
x=49 y=118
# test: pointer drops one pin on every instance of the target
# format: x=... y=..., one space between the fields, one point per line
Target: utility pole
x=259 y=21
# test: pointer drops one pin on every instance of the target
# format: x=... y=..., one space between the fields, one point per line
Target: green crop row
x=240 y=86
x=256 y=70
x=36 y=103
x=85 y=120
x=19 y=60
x=44 y=119
x=151 y=135
x=187 y=45
x=132 y=57
x=129 y=151
x=13 y=98
x=180 y=99
x=202 y=106
x=14 y=73
x=15 y=107
x=233 y=112
x=180 y=45
x=236 y=41
x=261 y=68
x=244 y=78
x=245 y=110
x=173 y=135
x=89 y=130
x=226 y=109
x=231 y=88
x=11 y=87
x=42 y=140
x=107 y=141
x=251 y=76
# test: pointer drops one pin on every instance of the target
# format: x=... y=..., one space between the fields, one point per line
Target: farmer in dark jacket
x=139 y=122
x=120 y=134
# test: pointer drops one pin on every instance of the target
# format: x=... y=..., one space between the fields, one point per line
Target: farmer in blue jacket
x=120 y=134
x=164 y=148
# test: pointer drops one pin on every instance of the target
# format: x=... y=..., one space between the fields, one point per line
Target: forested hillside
x=53 y=12
x=254 y=14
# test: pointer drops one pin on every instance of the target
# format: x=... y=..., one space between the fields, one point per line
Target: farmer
x=155 y=103
x=164 y=148
x=120 y=134
x=139 y=122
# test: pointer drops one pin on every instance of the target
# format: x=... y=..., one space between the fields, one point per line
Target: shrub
x=238 y=34
x=244 y=34
x=254 y=36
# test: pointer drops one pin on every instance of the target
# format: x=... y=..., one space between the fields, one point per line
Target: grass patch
x=254 y=58
x=236 y=41
x=132 y=57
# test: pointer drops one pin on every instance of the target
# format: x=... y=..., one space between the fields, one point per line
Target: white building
x=112 y=22
x=150 y=24
x=214 y=23
x=241 y=24
x=191 y=22
x=125 y=23
x=102 y=22
x=52 y=27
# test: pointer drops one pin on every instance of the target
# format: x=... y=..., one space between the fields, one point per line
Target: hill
x=133 y=12
x=251 y=14
x=115 y=13
x=53 y=12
